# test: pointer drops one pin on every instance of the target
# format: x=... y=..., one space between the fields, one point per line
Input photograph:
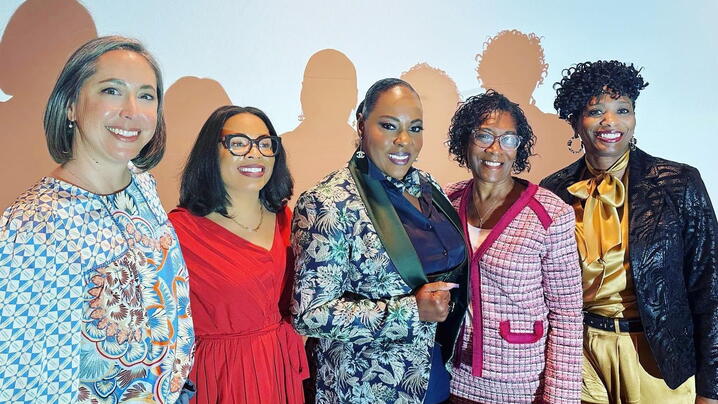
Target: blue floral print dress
x=94 y=297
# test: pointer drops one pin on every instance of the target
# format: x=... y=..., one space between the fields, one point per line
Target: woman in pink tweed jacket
x=521 y=340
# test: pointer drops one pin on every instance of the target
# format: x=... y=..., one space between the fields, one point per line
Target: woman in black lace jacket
x=646 y=233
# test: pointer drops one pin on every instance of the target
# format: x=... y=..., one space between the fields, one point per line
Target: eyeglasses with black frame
x=484 y=140
x=240 y=144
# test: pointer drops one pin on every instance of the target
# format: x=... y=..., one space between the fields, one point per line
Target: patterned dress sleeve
x=562 y=291
x=185 y=343
x=40 y=306
x=320 y=307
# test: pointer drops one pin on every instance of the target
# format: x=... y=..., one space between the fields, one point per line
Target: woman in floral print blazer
x=362 y=285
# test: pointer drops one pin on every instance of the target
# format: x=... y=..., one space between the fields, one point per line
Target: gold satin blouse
x=601 y=208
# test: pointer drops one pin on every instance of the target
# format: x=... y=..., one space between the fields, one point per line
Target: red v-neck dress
x=246 y=348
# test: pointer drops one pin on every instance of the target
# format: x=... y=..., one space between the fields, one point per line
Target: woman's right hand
x=433 y=301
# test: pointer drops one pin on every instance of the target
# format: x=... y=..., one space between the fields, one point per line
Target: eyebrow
x=231 y=132
x=602 y=103
x=490 y=129
x=397 y=119
x=119 y=82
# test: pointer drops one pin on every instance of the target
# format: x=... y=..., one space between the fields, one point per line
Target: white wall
x=257 y=51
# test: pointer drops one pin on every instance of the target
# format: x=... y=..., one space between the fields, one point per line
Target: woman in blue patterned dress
x=379 y=257
x=93 y=287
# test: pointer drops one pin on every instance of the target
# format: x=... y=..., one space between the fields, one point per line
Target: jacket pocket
x=520 y=337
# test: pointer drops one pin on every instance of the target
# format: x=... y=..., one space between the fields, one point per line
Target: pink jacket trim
x=520 y=337
x=525 y=199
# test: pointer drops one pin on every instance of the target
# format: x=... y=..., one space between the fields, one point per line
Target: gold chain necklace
x=261 y=219
x=488 y=213
x=492 y=207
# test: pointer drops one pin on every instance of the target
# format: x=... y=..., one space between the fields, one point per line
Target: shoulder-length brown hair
x=81 y=65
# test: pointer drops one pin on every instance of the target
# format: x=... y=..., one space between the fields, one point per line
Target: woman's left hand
x=432 y=299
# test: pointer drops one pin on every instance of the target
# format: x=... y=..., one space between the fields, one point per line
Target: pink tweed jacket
x=522 y=342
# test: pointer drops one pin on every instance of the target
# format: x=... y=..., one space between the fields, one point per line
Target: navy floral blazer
x=372 y=346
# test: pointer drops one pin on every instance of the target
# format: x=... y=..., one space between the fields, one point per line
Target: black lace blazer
x=672 y=248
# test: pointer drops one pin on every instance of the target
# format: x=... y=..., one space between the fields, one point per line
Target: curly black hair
x=586 y=80
x=473 y=112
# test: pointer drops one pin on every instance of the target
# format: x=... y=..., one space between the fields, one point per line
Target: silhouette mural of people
x=513 y=64
x=439 y=98
x=39 y=38
x=188 y=104
x=324 y=140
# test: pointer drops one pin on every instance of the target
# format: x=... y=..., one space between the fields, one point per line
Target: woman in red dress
x=233 y=225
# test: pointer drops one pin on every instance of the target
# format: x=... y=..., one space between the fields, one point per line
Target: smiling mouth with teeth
x=609 y=136
x=493 y=163
x=399 y=158
x=251 y=169
x=124 y=133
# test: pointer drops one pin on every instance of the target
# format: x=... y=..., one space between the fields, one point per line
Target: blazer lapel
x=388 y=226
x=645 y=208
x=571 y=175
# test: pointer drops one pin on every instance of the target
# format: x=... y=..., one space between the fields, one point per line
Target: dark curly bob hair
x=473 y=112
x=586 y=80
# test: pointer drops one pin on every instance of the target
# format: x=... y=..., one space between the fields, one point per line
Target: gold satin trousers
x=618 y=368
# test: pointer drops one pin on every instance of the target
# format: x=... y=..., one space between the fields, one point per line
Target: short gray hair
x=81 y=65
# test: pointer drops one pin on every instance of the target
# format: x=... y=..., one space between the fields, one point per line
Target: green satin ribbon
x=387 y=224
x=390 y=230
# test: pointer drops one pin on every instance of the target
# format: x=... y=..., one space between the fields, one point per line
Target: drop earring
x=70 y=125
x=360 y=153
x=632 y=143
x=570 y=144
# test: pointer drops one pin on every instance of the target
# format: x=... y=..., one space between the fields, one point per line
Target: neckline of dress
x=244 y=240
x=65 y=184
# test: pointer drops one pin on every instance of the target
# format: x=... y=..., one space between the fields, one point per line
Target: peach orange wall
x=307 y=64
